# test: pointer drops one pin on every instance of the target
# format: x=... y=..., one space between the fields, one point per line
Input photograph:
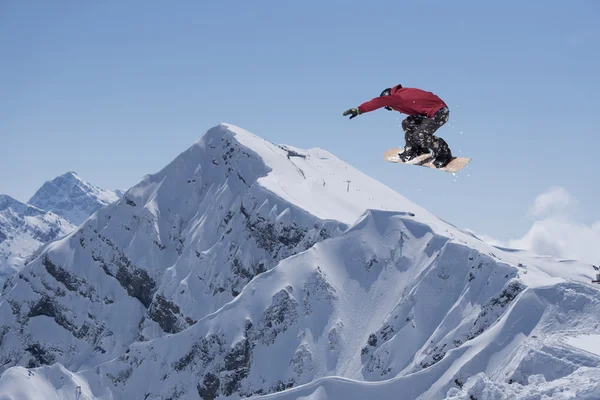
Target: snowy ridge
x=247 y=269
x=24 y=229
x=72 y=198
x=335 y=311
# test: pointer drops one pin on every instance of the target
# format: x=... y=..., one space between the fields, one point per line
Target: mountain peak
x=71 y=197
x=67 y=181
x=313 y=179
x=70 y=175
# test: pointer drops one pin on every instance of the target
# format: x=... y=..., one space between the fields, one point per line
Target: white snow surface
x=72 y=198
x=248 y=269
x=24 y=229
x=590 y=343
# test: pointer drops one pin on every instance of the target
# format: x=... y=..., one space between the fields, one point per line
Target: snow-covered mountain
x=23 y=230
x=247 y=269
x=54 y=211
x=72 y=198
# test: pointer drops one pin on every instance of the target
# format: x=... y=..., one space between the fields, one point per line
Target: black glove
x=353 y=111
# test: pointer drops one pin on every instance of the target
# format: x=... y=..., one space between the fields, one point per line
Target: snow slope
x=72 y=198
x=249 y=269
x=23 y=230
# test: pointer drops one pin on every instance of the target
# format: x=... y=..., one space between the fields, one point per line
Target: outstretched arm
x=375 y=104
x=371 y=105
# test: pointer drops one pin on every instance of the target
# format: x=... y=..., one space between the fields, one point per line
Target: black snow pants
x=419 y=131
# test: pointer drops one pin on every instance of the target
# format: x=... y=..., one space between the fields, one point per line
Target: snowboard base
x=425 y=160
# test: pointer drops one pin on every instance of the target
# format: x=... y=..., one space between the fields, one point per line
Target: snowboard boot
x=412 y=152
x=442 y=157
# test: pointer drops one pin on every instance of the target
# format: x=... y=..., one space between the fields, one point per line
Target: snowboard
x=425 y=160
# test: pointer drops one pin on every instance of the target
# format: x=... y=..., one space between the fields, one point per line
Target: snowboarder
x=426 y=114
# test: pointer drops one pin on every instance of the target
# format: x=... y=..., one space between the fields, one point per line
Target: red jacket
x=406 y=100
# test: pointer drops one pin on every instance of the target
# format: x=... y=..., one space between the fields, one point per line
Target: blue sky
x=115 y=90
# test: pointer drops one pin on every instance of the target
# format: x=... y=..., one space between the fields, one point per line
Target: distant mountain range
x=54 y=211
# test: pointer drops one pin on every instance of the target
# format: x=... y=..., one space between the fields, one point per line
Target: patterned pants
x=419 y=131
